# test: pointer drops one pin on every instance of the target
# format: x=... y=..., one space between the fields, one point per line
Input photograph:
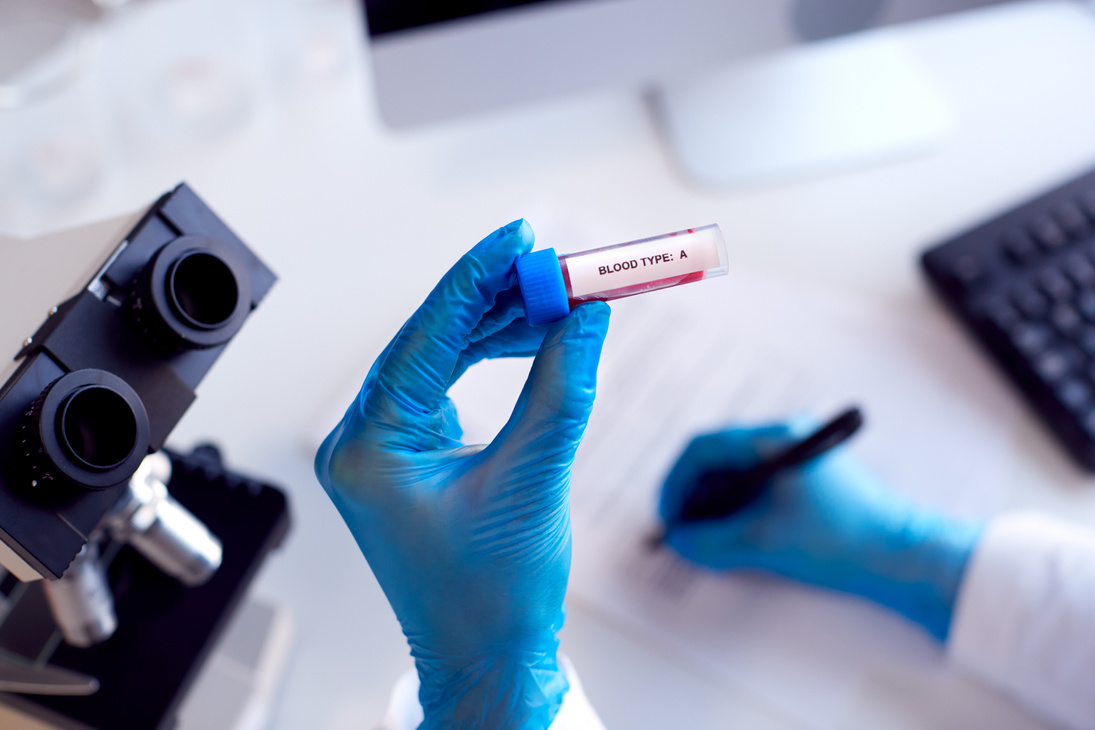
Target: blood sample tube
x=552 y=285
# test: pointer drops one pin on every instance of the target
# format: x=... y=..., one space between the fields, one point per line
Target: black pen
x=722 y=492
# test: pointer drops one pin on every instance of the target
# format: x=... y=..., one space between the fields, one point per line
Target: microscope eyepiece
x=203 y=290
x=192 y=294
x=87 y=429
x=97 y=427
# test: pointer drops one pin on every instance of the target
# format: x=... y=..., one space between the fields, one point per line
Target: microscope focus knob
x=87 y=429
x=192 y=294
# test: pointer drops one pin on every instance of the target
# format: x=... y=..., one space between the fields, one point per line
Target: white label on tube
x=641 y=262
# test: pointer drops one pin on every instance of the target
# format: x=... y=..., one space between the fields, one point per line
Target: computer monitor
x=435 y=60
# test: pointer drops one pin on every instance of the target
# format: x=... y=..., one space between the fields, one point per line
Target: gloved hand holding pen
x=828 y=523
x=471 y=544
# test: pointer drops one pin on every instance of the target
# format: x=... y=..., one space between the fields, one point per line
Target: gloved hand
x=471 y=544
x=828 y=523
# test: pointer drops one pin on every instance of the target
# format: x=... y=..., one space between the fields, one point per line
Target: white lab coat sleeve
x=1024 y=620
x=404 y=712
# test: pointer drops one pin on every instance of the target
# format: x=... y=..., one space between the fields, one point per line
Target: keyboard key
x=1031 y=338
x=1072 y=220
x=1000 y=313
x=1086 y=305
x=1066 y=319
x=1080 y=270
x=1019 y=247
x=1052 y=365
x=1030 y=302
x=1055 y=284
x=1085 y=338
x=1048 y=233
x=1087 y=422
x=1087 y=202
x=1074 y=394
x=968 y=269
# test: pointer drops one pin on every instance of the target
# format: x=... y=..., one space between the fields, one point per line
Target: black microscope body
x=98 y=387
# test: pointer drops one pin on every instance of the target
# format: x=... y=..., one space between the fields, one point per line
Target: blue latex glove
x=471 y=544
x=829 y=523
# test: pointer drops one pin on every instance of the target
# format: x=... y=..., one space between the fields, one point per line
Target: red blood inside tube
x=625 y=291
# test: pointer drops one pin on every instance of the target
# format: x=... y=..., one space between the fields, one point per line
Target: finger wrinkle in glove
x=510 y=533
x=420 y=429
x=406 y=371
x=556 y=443
x=516 y=545
x=506 y=308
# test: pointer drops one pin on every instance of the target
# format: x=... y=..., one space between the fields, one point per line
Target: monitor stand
x=807 y=111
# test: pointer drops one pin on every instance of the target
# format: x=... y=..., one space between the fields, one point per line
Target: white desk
x=360 y=222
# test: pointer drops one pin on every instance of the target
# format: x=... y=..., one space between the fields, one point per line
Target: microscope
x=122 y=561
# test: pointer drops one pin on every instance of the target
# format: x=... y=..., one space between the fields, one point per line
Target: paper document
x=751 y=348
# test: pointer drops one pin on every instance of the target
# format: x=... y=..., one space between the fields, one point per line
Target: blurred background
x=361 y=148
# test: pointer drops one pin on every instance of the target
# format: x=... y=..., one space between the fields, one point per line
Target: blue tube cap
x=542 y=287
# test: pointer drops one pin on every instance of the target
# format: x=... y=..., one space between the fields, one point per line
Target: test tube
x=552 y=285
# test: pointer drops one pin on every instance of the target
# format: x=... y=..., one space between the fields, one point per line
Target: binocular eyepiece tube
x=193 y=294
x=86 y=430
x=89 y=428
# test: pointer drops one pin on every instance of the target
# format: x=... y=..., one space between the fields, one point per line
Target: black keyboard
x=1024 y=285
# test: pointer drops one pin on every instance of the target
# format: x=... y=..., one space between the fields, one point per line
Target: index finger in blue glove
x=550 y=416
x=416 y=370
x=516 y=340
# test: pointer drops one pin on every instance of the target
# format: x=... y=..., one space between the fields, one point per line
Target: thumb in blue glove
x=471 y=544
x=828 y=523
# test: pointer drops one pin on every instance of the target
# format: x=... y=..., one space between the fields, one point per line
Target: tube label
x=641 y=262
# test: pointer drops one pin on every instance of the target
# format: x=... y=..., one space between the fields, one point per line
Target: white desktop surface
x=360 y=222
